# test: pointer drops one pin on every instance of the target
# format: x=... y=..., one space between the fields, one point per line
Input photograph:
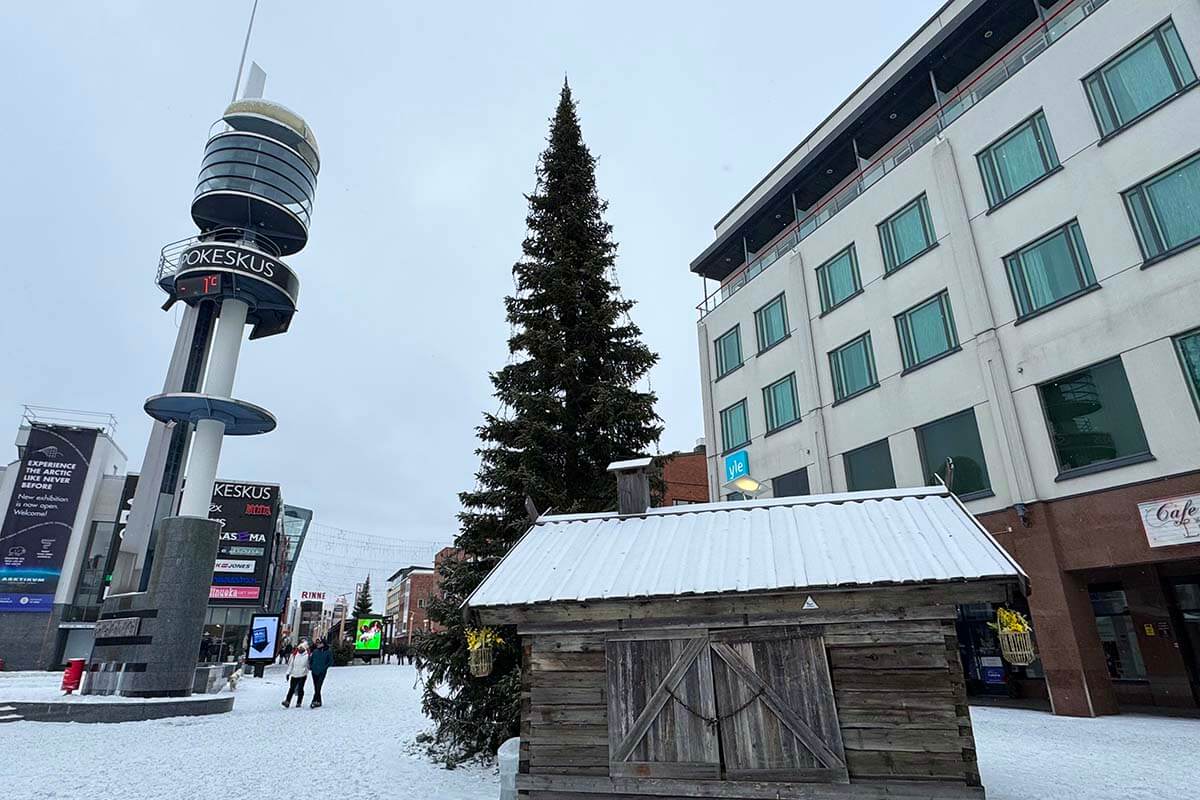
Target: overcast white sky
x=429 y=121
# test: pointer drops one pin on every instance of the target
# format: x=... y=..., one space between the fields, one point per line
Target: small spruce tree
x=362 y=601
x=571 y=407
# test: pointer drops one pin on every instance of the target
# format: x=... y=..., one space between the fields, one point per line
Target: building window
x=1050 y=270
x=1166 y=209
x=734 y=497
x=1144 y=76
x=837 y=279
x=770 y=322
x=1093 y=420
x=729 y=351
x=869 y=467
x=853 y=368
x=678 y=502
x=1188 y=347
x=954 y=441
x=423 y=603
x=906 y=234
x=735 y=427
x=926 y=330
x=791 y=484
x=1118 y=637
x=781 y=404
x=1018 y=159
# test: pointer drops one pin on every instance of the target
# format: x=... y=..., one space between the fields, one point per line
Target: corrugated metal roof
x=851 y=539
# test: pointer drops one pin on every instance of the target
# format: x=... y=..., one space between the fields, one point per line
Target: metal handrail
x=922 y=131
x=168 y=258
x=72 y=417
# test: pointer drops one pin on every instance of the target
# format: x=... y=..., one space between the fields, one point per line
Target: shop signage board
x=1174 y=520
x=249 y=515
x=41 y=515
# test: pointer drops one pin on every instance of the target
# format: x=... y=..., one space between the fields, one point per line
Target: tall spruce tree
x=571 y=407
x=362 y=601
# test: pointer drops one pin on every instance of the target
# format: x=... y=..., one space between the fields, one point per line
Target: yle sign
x=737 y=465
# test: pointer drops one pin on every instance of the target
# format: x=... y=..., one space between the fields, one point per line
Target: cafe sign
x=1172 y=521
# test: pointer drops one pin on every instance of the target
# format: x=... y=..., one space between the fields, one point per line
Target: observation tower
x=252 y=205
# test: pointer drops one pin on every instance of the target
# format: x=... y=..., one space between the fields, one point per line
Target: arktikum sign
x=1175 y=520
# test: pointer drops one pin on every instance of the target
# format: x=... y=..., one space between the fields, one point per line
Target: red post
x=73 y=674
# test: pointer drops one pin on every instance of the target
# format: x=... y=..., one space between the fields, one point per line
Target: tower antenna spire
x=245 y=47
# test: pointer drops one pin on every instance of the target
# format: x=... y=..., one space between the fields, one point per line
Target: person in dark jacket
x=320 y=662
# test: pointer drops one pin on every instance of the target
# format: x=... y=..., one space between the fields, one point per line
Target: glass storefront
x=1118 y=637
x=225 y=631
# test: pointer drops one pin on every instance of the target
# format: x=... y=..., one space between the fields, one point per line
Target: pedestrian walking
x=297 y=676
x=319 y=662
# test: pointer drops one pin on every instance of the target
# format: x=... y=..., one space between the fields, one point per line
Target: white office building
x=981 y=268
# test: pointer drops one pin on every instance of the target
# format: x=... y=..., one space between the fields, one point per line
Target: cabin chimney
x=633 y=485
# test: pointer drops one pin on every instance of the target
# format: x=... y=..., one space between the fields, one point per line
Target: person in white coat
x=297 y=675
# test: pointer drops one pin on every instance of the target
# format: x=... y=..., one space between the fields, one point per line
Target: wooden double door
x=737 y=704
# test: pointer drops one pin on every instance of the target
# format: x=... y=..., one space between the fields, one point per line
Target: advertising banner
x=41 y=514
x=368 y=636
x=249 y=514
x=264 y=638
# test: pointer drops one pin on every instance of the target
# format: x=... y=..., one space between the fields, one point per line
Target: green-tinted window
x=770 y=322
x=1018 y=159
x=1092 y=417
x=1147 y=73
x=779 y=399
x=1188 y=347
x=906 y=234
x=926 y=330
x=838 y=279
x=869 y=467
x=853 y=368
x=1166 y=209
x=1050 y=269
x=956 y=439
x=729 y=351
x=735 y=426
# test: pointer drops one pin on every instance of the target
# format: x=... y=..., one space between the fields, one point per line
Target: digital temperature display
x=198 y=286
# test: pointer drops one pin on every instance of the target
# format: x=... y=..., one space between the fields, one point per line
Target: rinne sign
x=1172 y=521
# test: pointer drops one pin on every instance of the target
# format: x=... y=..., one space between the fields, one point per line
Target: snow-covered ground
x=1026 y=755
x=360 y=745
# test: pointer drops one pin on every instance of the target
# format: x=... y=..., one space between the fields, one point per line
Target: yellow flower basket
x=480 y=642
x=1016 y=637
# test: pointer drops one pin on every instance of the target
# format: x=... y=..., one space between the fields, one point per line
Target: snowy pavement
x=1034 y=754
x=360 y=745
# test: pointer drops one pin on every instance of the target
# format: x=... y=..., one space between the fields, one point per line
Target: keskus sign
x=41 y=515
x=249 y=514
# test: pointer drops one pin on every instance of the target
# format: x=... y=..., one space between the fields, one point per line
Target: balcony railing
x=924 y=130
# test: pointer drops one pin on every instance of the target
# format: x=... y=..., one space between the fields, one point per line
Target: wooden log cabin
x=792 y=648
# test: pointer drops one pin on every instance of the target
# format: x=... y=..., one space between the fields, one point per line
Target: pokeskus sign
x=737 y=465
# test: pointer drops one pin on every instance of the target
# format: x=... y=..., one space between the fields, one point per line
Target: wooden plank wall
x=566 y=726
x=901 y=701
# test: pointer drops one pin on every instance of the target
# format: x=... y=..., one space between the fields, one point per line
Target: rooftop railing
x=925 y=129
